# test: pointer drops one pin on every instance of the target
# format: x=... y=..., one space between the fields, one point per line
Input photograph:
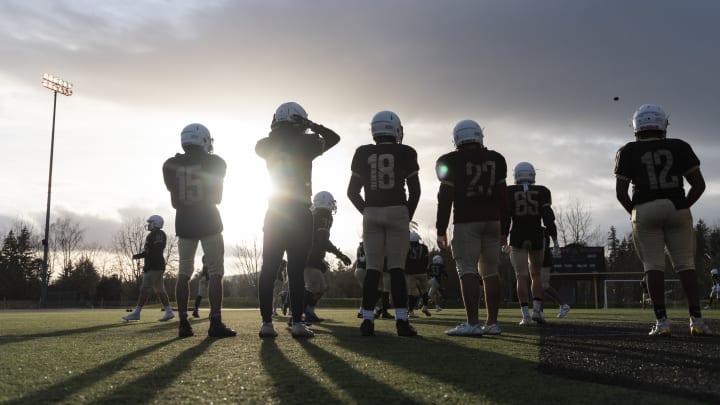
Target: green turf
x=91 y=356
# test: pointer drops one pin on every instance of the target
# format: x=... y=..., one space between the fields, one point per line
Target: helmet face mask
x=715 y=272
x=649 y=117
x=155 y=222
x=524 y=173
x=197 y=135
x=325 y=201
x=386 y=124
x=467 y=131
x=437 y=259
x=285 y=116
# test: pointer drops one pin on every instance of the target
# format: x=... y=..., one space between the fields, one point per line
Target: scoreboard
x=580 y=259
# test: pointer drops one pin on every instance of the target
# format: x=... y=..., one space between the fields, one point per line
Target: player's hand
x=505 y=248
x=442 y=242
x=137 y=256
x=556 y=252
x=346 y=260
x=303 y=121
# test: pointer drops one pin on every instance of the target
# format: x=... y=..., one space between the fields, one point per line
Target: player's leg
x=186 y=265
x=519 y=258
x=299 y=245
x=159 y=287
x=488 y=264
x=535 y=259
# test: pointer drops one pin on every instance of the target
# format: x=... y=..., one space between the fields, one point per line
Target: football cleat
x=465 y=329
x=699 y=328
x=538 y=317
x=267 y=330
x=404 y=328
x=564 y=309
x=426 y=312
x=184 y=329
x=195 y=314
x=312 y=318
x=168 y=316
x=218 y=329
x=526 y=320
x=412 y=314
x=706 y=307
x=661 y=328
x=493 y=329
x=386 y=315
x=300 y=330
x=133 y=316
x=367 y=328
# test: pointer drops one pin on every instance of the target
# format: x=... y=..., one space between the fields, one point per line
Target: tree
x=249 y=263
x=575 y=225
x=129 y=240
x=19 y=266
x=65 y=239
x=613 y=249
x=83 y=279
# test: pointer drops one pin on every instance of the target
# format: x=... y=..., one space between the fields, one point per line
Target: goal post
x=629 y=294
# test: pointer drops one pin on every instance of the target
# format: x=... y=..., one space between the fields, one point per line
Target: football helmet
x=524 y=172
x=467 y=131
x=324 y=200
x=197 y=135
x=155 y=222
x=284 y=115
x=414 y=236
x=437 y=259
x=387 y=123
x=714 y=272
x=649 y=117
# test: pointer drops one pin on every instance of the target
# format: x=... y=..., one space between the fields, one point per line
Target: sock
x=660 y=312
x=524 y=309
x=183 y=314
x=537 y=304
x=695 y=312
x=138 y=309
x=401 y=314
x=368 y=314
x=215 y=317
x=168 y=309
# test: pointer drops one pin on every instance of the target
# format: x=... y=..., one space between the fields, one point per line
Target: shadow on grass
x=292 y=384
x=623 y=355
x=60 y=391
x=58 y=333
x=146 y=388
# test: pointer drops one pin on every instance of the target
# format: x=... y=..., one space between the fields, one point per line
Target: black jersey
x=195 y=181
x=383 y=169
x=289 y=157
x=656 y=168
x=473 y=184
x=153 y=252
x=437 y=271
x=360 y=255
x=322 y=222
x=530 y=208
x=547 y=253
x=417 y=258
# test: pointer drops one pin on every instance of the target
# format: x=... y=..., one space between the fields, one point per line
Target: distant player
x=416 y=274
x=545 y=276
x=279 y=289
x=645 y=294
x=436 y=271
x=381 y=171
x=660 y=209
x=472 y=185
x=530 y=209
x=195 y=181
x=323 y=208
x=203 y=281
x=289 y=151
x=715 y=289
x=153 y=270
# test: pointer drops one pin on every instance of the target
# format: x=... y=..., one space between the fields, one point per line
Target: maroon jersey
x=473 y=184
x=195 y=181
x=530 y=208
x=383 y=169
x=656 y=168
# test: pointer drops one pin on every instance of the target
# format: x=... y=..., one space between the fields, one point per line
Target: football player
x=530 y=209
x=203 y=280
x=153 y=269
x=289 y=151
x=279 y=288
x=715 y=289
x=382 y=170
x=195 y=181
x=472 y=185
x=416 y=274
x=547 y=264
x=323 y=208
x=660 y=209
x=436 y=271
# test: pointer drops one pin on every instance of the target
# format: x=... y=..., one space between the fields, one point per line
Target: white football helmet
x=284 y=115
x=414 y=236
x=437 y=259
x=197 y=135
x=155 y=222
x=324 y=200
x=387 y=123
x=714 y=272
x=467 y=131
x=649 y=117
x=524 y=173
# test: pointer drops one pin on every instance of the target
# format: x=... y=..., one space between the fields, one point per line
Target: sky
x=540 y=77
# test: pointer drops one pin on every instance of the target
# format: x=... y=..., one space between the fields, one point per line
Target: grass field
x=591 y=357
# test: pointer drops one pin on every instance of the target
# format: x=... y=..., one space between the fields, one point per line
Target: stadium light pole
x=57 y=85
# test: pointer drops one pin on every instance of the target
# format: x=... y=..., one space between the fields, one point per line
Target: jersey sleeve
x=623 y=168
x=688 y=158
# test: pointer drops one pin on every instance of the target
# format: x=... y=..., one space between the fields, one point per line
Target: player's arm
x=263 y=148
x=697 y=186
x=156 y=247
x=353 y=192
x=622 y=185
x=338 y=253
x=413 y=183
x=442 y=219
x=328 y=136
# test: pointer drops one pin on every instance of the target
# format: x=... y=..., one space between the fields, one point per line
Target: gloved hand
x=346 y=260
